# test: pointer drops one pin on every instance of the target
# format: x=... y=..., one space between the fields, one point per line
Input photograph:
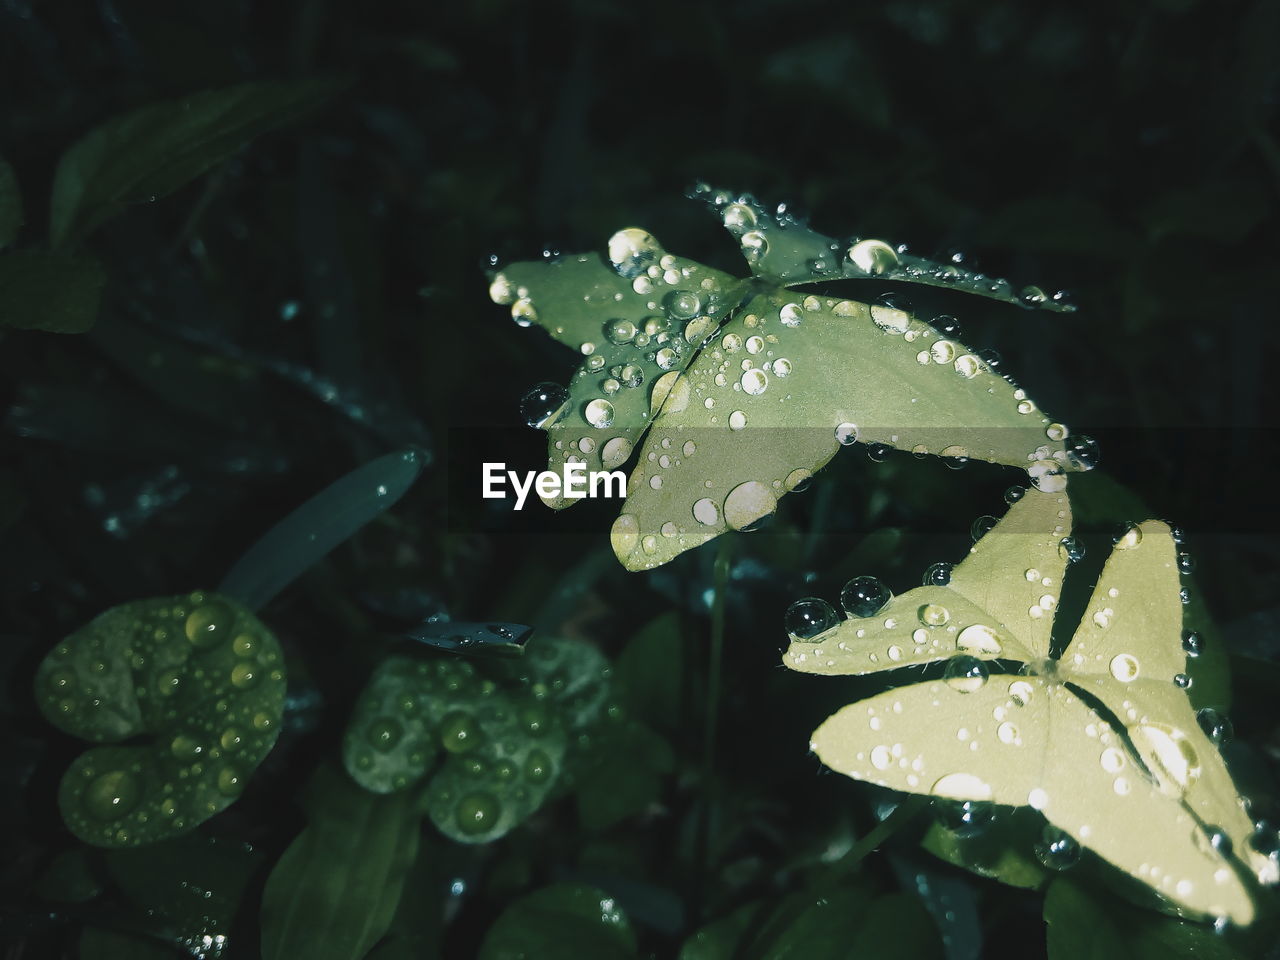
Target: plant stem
x=877 y=835
x=711 y=716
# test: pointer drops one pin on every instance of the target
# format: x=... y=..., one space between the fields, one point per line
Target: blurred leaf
x=10 y=204
x=68 y=878
x=49 y=291
x=151 y=152
x=311 y=531
x=835 y=924
x=1004 y=851
x=189 y=888
x=649 y=670
x=720 y=939
x=567 y=921
x=627 y=775
x=333 y=893
x=97 y=943
x=1081 y=924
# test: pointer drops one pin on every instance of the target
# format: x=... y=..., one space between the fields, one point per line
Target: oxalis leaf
x=153 y=151
x=504 y=740
x=199 y=677
x=750 y=389
x=1102 y=740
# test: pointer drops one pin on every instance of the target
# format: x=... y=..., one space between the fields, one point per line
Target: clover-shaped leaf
x=504 y=741
x=1102 y=741
x=717 y=360
x=199 y=677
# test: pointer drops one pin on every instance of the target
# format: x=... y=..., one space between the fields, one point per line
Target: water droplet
x=599 y=413
x=477 y=813
x=244 y=676
x=1218 y=839
x=1056 y=849
x=809 y=618
x=540 y=406
x=847 y=434
x=209 y=623
x=938 y=575
x=1056 y=431
x=864 y=596
x=782 y=367
x=890 y=314
x=934 y=615
x=631 y=251
x=1083 y=452
x=185 y=749
x=755 y=381
x=1192 y=643
x=739 y=217
x=1130 y=538
x=666 y=358
x=615 y=452
x=943 y=351
x=229 y=782
x=1047 y=476
x=873 y=256
x=706 y=512
x=878 y=452
x=965 y=818
x=1215 y=724
x=961 y=786
x=1182 y=680
x=523 y=312
x=981 y=527
x=631 y=375
x=682 y=304
x=1071 y=549
x=384 y=733
x=1265 y=840
x=748 y=503
x=737 y=420
x=968 y=366
x=797 y=481
x=537 y=766
x=1124 y=667
x=111 y=795
x=965 y=674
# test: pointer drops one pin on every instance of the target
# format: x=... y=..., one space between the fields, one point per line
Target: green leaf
x=97 y=943
x=648 y=672
x=626 y=777
x=720 y=939
x=637 y=336
x=311 y=531
x=151 y=152
x=49 y=291
x=198 y=678
x=1004 y=851
x=333 y=893
x=189 y=888
x=567 y=921
x=783 y=385
x=1081 y=924
x=10 y=204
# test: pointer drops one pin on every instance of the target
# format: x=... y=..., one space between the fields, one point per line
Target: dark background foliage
x=320 y=298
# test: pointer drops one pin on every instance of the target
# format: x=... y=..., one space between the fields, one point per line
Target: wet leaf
x=720 y=939
x=784 y=383
x=310 y=532
x=779 y=383
x=335 y=890
x=472 y=639
x=10 y=205
x=49 y=291
x=1004 y=851
x=149 y=153
x=198 y=678
x=1081 y=924
x=1103 y=741
x=630 y=761
x=637 y=331
x=568 y=921
x=97 y=943
x=648 y=672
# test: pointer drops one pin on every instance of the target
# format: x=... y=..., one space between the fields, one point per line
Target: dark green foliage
x=307 y=294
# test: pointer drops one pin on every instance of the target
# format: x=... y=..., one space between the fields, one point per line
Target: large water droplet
x=599 y=413
x=748 y=503
x=1215 y=724
x=938 y=575
x=1124 y=667
x=864 y=596
x=682 y=304
x=1071 y=549
x=934 y=615
x=1083 y=453
x=965 y=674
x=847 y=434
x=809 y=618
x=1192 y=643
x=978 y=638
x=1057 y=849
x=631 y=251
x=1130 y=538
x=755 y=381
x=543 y=403
x=477 y=813
x=706 y=512
x=965 y=818
x=873 y=256
x=111 y=795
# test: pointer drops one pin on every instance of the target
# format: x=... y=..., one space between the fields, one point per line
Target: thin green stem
x=711 y=714
x=871 y=841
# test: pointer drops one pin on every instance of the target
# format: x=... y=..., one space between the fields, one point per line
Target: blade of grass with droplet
x=307 y=534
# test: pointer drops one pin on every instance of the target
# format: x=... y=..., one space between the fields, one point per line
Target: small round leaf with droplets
x=199 y=677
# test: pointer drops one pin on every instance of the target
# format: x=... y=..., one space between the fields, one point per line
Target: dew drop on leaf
x=938 y=575
x=1056 y=849
x=809 y=618
x=540 y=405
x=864 y=596
x=965 y=818
x=1215 y=724
x=965 y=674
